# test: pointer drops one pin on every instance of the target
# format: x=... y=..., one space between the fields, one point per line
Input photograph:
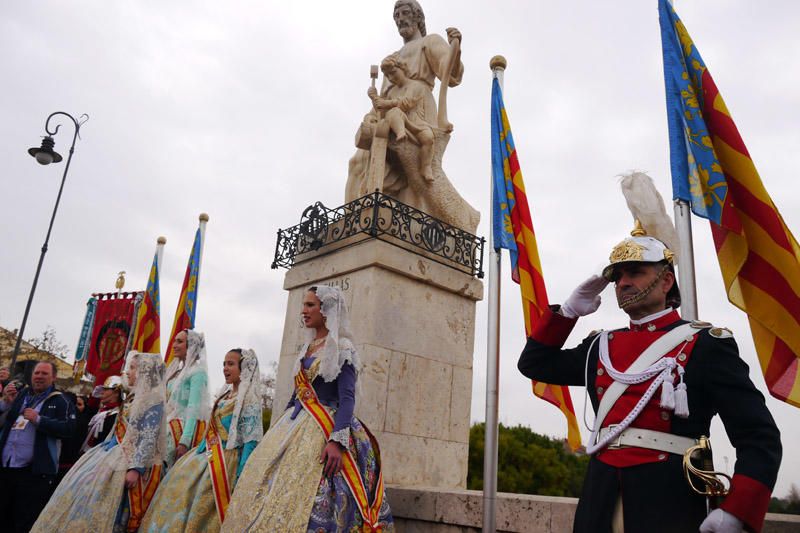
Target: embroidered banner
x=84 y=340
x=110 y=335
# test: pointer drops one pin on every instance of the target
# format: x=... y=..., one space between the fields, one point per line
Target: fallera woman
x=110 y=486
x=188 y=402
x=318 y=468
x=195 y=494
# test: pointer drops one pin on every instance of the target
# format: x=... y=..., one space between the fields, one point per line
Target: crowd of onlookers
x=43 y=432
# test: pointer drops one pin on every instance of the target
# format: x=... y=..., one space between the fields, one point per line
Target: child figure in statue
x=407 y=105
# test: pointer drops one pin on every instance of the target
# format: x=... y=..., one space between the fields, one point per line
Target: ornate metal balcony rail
x=322 y=230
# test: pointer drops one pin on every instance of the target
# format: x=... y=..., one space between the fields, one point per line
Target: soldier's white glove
x=585 y=299
x=719 y=521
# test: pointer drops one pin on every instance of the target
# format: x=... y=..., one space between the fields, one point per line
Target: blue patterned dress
x=92 y=496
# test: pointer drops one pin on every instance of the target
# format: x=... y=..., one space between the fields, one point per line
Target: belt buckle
x=617 y=444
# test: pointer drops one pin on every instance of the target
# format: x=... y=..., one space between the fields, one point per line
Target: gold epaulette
x=720 y=333
x=714 y=331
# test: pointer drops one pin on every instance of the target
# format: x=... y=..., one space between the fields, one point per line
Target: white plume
x=647 y=206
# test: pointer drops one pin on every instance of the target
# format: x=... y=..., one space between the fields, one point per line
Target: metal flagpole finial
x=162 y=240
x=120 y=283
x=498 y=62
x=203 y=217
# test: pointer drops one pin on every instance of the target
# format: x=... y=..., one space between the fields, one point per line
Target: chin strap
x=639 y=296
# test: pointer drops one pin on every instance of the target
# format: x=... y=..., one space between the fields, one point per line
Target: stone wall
x=429 y=510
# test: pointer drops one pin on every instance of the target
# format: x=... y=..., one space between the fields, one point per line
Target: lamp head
x=45 y=154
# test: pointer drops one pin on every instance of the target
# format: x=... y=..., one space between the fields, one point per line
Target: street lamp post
x=44 y=156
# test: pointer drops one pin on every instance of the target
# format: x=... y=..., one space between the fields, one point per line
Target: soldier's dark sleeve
x=543 y=358
x=750 y=428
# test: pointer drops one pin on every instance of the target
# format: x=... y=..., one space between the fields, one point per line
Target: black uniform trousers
x=23 y=495
x=643 y=487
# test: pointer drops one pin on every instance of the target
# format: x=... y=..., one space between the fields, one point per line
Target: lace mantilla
x=179 y=405
x=145 y=441
x=246 y=421
x=339 y=347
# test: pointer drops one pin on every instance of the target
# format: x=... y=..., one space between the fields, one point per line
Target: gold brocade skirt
x=276 y=489
x=185 y=498
x=89 y=496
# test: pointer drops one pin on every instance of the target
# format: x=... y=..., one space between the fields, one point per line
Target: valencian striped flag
x=712 y=170
x=147 y=336
x=512 y=228
x=187 y=303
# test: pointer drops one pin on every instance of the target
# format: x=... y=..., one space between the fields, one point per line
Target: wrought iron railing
x=322 y=230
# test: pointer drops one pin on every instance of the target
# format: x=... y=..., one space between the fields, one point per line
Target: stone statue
x=402 y=139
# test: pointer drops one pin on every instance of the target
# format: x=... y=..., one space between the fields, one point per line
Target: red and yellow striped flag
x=712 y=170
x=512 y=228
x=187 y=303
x=147 y=336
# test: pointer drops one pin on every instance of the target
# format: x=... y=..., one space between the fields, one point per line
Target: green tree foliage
x=789 y=505
x=528 y=463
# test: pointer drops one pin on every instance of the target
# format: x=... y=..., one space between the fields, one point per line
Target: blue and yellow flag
x=187 y=303
x=147 y=336
x=512 y=228
x=712 y=170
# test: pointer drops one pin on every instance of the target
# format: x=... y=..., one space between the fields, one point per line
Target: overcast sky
x=246 y=110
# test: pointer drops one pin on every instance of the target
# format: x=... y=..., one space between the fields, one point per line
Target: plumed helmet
x=642 y=248
x=111 y=382
x=639 y=248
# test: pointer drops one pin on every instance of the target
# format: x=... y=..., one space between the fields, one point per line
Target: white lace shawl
x=246 y=421
x=145 y=441
x=178 y=404
x=339 y=347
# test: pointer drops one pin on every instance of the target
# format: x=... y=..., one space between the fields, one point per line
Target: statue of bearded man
x=426 y=57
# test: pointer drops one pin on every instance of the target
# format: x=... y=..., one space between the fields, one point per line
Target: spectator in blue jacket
x=38 y=417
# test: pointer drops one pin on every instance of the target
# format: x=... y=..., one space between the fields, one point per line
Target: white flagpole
x=686 y=277
x=498 y=66
x=160 y=253
x=203 y=221
x=159 y=261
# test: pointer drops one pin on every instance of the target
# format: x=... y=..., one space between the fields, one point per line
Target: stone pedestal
x=413 y=322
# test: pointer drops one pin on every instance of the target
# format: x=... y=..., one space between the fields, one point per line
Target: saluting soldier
x=655 y=386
